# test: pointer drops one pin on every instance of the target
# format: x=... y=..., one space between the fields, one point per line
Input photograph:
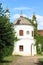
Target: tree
x=1 y=10
x=39 y=39
x=34 y=22
x=7 y=35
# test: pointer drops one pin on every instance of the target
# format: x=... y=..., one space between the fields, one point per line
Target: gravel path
x=26 y=61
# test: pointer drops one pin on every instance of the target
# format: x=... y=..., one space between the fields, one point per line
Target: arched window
x=21 y=32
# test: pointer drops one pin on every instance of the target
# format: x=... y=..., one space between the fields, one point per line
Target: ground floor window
x=21 y=48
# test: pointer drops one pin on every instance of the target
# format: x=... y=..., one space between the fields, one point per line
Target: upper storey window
x=21 y=32
x=32 y=33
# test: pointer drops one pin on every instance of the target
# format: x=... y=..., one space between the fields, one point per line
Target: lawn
x=40 y=61
x=7 y=60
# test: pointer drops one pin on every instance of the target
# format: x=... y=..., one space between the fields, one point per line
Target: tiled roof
x=40 y=32
x=22 y=21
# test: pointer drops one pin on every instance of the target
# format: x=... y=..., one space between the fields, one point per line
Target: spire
x=7 y=12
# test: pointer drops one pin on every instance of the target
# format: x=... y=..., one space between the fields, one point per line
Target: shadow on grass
x=39 y=63
x=5 y=61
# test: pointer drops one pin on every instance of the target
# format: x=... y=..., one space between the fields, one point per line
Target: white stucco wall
x=26 y=47
x=25 y=28
x=26 y=40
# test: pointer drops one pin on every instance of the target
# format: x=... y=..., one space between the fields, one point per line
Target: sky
x=28 y=7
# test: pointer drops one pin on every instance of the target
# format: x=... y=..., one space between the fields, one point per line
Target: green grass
x=39 y=55
x=7 y=60
x=40 y=59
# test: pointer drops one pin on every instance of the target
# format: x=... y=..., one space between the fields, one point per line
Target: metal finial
x=21 y=14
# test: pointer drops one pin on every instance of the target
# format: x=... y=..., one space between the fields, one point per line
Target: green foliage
x=1 y=10
x=8 y=60
x=34 y=17
x=39 y=41
x=7 y=35
x=35 y=26
x=36 y=36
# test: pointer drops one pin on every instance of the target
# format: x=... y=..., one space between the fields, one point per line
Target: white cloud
x=16 y=16
x=22 y=8
x=40 y=21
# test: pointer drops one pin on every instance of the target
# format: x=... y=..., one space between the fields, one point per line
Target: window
x=21 y=47
x=27 y=32
x=21 y=32
x=32 y=33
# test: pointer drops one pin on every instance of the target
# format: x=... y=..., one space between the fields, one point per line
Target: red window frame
x=21 y=32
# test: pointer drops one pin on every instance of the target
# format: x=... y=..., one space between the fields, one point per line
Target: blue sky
x=28 y=7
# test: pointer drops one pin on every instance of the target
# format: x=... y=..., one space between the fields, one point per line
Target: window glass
x=21 y=47
x=27 y=32
x=21 y=32
x=32 y=33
